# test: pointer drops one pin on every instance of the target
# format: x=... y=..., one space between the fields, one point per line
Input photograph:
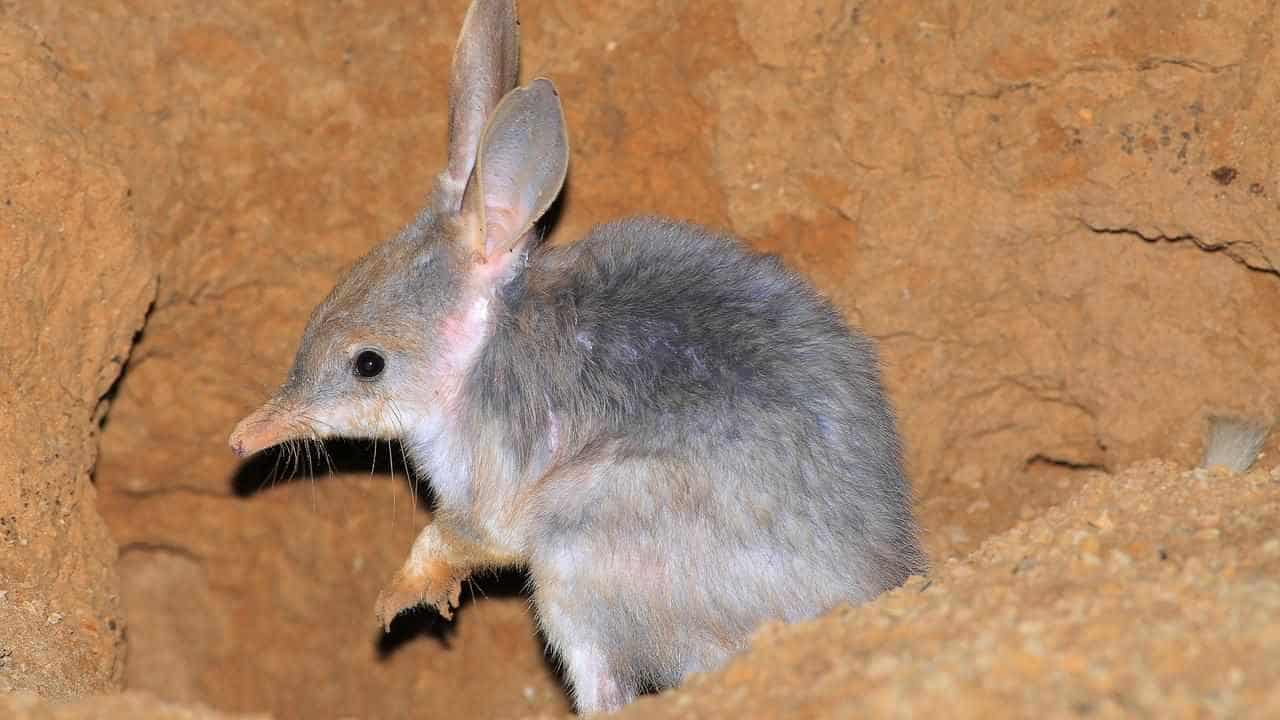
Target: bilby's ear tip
x=544 y=84
x=486 y=63
x=520 y=167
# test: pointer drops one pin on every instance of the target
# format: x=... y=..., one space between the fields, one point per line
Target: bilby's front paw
x=437 y=584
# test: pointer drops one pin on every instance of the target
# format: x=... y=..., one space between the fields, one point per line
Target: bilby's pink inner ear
x=520 y=167
x=485 y=64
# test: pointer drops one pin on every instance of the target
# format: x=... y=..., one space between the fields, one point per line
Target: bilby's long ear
x=485 y=63
x=523 y=158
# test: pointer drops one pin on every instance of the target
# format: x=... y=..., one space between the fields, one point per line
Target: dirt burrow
x=1060 y=225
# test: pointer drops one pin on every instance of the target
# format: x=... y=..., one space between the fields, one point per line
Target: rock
x=75 y=282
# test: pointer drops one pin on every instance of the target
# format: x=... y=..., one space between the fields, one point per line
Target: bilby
x=679 y=438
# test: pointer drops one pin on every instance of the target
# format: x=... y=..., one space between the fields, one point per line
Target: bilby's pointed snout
x=267 y=426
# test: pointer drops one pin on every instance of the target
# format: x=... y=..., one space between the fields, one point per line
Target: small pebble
x=969 y=475
x=1088 y=544
x=1104 y=522
x=1209 y=520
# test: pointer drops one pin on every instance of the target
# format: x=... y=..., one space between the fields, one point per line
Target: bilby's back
x=703 y=441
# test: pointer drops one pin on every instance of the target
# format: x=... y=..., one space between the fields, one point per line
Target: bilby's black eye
x=369 y=364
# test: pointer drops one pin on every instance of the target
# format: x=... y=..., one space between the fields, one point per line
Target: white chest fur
x=436 y=450
x=444 y=446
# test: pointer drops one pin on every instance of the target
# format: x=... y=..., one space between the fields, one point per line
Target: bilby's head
x=389 y=344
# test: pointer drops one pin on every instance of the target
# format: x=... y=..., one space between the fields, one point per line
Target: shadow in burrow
x=317 y=461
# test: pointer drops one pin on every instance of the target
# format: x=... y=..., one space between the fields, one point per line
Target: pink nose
x=263 y=428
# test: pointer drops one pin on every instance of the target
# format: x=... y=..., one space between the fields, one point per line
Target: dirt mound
x=1150 y=593
x=1061 y=226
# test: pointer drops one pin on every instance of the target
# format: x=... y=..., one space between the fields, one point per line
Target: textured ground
x=1060 y=224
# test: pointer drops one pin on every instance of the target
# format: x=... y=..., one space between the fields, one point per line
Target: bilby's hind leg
x=595 y=687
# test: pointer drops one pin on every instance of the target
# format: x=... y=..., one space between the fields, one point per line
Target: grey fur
x=1233 y=443
x=748 y=441
x=680 y=438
